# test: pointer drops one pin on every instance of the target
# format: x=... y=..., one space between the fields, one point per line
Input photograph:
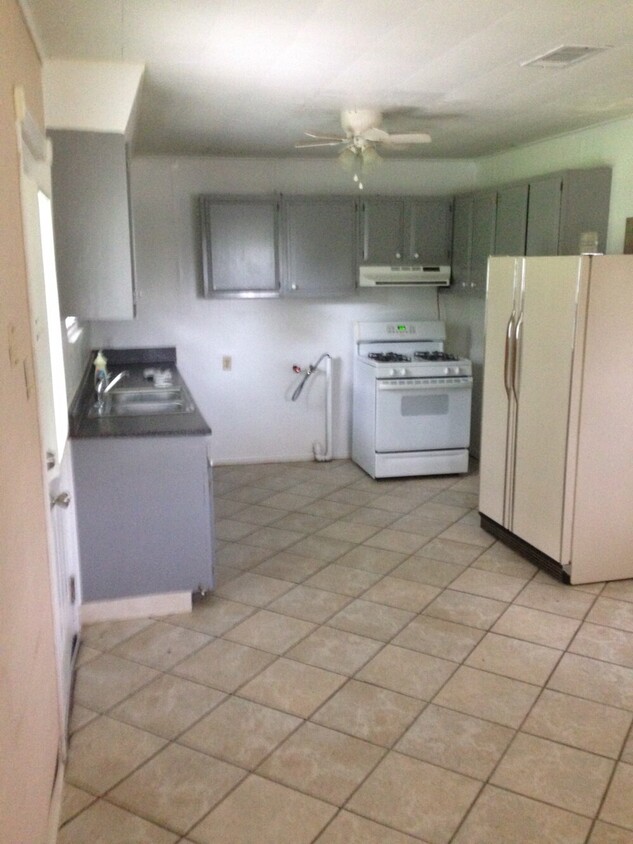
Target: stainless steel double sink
x=143 y=401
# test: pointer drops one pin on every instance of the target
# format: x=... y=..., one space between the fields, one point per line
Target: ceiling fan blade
x=408 y=138
x=320 y=144
x=375 y=134
x=320 y=137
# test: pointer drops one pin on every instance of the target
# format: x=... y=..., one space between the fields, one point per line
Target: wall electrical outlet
x=227 y=363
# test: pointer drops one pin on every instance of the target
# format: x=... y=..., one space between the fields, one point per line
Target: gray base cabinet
x=93 y=225
x=144 y=514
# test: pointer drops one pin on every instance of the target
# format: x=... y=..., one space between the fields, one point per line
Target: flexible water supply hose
x=308 y=373
x=321 y=454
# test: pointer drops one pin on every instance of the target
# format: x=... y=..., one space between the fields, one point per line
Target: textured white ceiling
x=247 y=77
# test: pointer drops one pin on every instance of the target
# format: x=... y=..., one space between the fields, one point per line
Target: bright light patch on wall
x=73 y=329
x=55 y=344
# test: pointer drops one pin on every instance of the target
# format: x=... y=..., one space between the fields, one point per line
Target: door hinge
x=72 y=588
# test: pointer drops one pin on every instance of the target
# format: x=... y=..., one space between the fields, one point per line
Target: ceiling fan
x=362 y=135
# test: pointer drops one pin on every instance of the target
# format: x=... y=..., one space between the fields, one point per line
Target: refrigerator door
x=545 y=340
x=602 y=536
x=502 y=307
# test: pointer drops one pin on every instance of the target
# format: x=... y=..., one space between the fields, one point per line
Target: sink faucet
x=103 y=385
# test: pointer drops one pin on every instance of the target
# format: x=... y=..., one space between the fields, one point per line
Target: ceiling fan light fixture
x=370 y=156
x=348 y=159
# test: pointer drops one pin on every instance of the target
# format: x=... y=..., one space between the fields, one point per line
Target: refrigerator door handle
x=516 y=362
x=508 y=360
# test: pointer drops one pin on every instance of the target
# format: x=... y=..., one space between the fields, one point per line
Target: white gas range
x=411 y=401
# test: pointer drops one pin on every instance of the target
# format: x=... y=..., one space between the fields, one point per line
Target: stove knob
x=403 y=371
x=392 y=372
x=451 y=370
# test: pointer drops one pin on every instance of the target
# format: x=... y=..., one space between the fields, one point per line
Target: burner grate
x=388 y=357
x=434 y=356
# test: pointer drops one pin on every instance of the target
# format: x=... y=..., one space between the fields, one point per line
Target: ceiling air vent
x=563 y=56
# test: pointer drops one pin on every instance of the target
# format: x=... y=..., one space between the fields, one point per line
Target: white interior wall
x=249 y=408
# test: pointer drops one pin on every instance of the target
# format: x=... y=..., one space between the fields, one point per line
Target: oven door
x=421 y=414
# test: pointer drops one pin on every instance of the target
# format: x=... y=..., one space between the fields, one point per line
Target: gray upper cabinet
x=240 y=245
x=431 y=228
x=319 y=246
x=543 y=216
x=563 y=206
x=382 y=231
x=406 y=229
x=511 y=220
x=92 y=224
x=473 y=239
x=483 y=238
x=462 y=239
x=543 y=221
x=585 y=202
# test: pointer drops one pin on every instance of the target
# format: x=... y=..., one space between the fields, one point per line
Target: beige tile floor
x=372 y=669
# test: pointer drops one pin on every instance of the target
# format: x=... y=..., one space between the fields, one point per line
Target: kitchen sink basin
x=150 y=401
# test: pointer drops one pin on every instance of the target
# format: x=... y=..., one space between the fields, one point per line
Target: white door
x=546 y=333
x=50 y=386
x=497 y=435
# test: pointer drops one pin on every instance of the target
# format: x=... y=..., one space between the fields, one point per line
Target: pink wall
x=29 y=731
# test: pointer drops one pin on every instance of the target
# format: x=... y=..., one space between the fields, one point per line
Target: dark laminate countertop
x=135 y=361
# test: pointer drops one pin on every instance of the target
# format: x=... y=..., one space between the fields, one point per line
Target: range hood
x=405 y=275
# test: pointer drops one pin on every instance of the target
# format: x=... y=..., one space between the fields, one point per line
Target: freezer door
x=503 y=290
x=545 y=340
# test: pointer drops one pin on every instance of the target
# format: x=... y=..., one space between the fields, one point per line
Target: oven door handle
x=508 y=360
x=452 y=384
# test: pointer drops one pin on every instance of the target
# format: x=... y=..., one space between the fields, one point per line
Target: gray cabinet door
x=430 y=230
x=240 y=245
x=483 y=236
x=91 y=217
x=462 y=230
x=511 y=221
x=543 y=222
x=382 y=231
x=585 y=208
x=319 y=246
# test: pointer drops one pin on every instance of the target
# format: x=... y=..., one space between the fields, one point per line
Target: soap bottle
x=101 y=373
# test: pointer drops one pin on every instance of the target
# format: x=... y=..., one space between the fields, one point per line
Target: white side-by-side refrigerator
x=556 y=456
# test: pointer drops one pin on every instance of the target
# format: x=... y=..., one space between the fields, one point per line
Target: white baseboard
x=303 y=458
x=142 y=606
